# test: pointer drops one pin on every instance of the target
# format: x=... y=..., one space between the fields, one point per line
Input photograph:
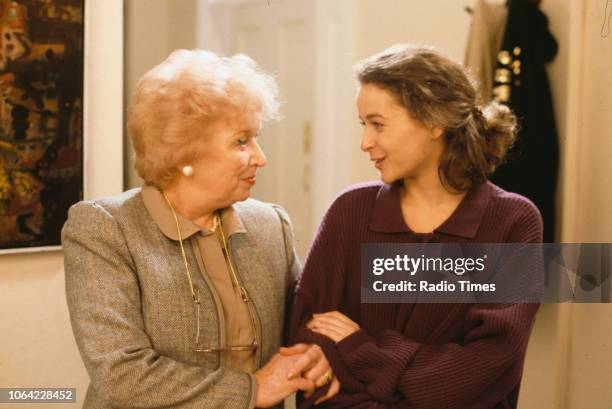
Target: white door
x=305 y=44
x=279 y=36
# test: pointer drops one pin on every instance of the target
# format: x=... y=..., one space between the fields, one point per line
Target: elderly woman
x=177 y=291
x=434 y=147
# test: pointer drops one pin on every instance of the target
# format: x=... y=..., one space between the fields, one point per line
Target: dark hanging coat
x=521 y=83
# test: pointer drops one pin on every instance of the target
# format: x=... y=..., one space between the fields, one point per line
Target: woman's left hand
x=334 y=325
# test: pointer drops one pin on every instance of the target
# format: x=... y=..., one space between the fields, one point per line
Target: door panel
x=280 y=38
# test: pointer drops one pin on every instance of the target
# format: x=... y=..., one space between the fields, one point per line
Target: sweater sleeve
x=477 y=372
x=451 y=375
x=103 y=295
x=320 y=288
x=293 y=262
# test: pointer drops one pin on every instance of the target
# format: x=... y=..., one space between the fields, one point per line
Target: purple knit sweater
x=415 y=356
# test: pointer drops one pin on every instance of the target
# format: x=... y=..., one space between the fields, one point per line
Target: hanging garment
x=484 y=42
x=520 y=81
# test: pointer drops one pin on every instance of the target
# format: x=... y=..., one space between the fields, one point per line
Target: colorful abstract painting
x=41 y=111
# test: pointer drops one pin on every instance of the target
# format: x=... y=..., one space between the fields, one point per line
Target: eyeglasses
x=195 y=292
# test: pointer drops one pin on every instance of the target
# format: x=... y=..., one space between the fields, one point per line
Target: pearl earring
x=187 y=170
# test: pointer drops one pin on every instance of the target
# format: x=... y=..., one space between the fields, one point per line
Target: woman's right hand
x=272 y=383
x=313 y=364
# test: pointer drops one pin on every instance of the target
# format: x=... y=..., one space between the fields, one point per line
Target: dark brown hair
x=437 y=91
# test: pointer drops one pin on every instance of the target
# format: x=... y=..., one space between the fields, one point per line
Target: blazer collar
x=463 y=222
x=162 y=216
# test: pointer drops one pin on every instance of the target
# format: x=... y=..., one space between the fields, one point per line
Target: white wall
x=37 y=348
x=570 y=354
x=590 y=357
x=594 y=129
x=153 y=28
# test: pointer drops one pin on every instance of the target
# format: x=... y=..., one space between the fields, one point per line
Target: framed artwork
x=41 y=120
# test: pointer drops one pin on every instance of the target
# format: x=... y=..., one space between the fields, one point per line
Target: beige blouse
x=239 y=327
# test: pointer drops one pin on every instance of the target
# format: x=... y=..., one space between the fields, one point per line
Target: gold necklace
x=192 y=286
x=217 y=222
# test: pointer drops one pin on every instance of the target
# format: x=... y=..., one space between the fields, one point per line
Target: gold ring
x=328 y=376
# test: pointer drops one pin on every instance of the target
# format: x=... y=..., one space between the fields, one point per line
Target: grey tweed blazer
x=133 y=316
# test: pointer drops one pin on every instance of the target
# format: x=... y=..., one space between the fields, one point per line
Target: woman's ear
x=436 y=132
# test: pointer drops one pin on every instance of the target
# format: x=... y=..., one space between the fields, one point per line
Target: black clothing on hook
x=520 y=81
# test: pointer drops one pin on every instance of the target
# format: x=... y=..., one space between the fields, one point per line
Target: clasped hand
x=303 y=366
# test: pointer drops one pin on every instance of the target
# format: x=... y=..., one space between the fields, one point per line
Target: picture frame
x=41 y=120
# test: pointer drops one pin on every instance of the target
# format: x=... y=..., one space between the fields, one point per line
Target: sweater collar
x=162 y=216
x=463 y=222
